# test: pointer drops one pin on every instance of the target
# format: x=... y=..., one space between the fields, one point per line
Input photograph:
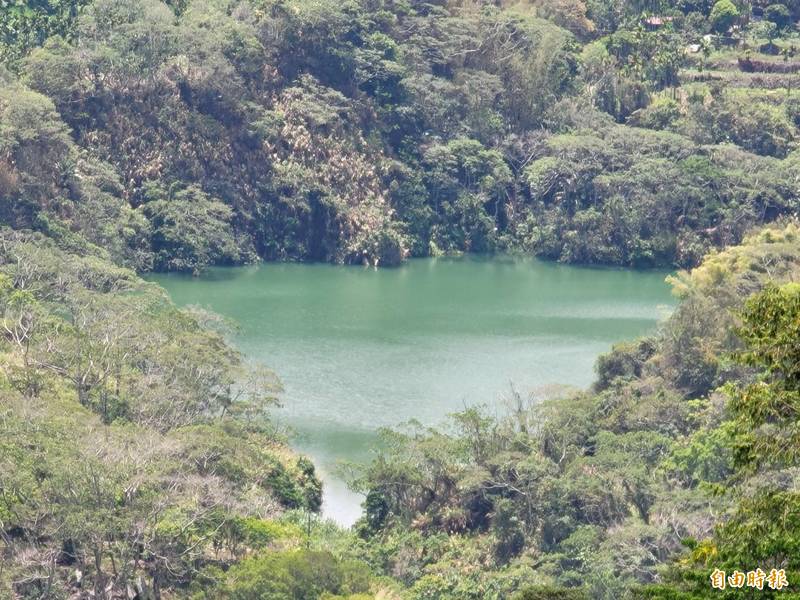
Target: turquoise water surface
x=358 y=349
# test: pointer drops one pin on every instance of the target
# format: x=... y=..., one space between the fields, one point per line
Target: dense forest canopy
x=138 y=459
x=373 y=131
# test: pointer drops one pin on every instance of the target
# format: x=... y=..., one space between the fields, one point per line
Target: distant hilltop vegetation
x=196 y=134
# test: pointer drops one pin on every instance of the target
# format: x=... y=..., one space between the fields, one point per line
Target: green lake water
x=358 y=349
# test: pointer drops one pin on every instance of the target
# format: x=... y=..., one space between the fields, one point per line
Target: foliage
x=189 y=230
x=593 y=493
x=778 y=14
x=292 y=575
x=27 y=23
x=723 y=15
x=548 y=593
x=137 y=457
x=135 y=444
x=760 y=528
x=363 y=132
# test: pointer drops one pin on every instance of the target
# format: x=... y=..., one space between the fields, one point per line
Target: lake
x=358 y=349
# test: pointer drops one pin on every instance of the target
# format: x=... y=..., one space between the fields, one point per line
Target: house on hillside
x=656 y=22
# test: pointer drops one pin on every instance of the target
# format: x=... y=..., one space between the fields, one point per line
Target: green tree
x=550 y=593
x=190 y=230
x=28 y=23
x=778 y=14
x=723 y=15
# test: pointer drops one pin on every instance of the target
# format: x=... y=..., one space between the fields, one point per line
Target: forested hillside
x=138 y=458
x=682 y=458
x=220 y=132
